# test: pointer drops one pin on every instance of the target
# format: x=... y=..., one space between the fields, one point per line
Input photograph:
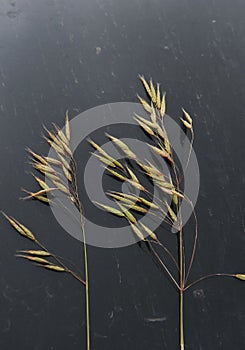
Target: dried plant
x=61 y=171
x=168 y=205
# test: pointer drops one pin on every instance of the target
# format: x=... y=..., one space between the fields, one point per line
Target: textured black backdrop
x=63 y=54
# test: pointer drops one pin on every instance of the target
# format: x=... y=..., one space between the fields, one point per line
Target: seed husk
x=163 y=153
x=146 y=128
x=36 y=156
x=145 y=105
x=136 y=185
x=171 y=212
x=186 y=124
x=158 y=97
x=132 y=175
x=145 y=121
x=122 y=146
x=137 y=231
x=187 y=116
x=24 y=231
x=35 y=252
x=146 y=86
x=53 y=268
x=39 y=194
x=149 y=232
x=57 y=147
x=53 y=161
x=121 y=198
x=163 y=106
x=110 y=209
x=127 y=213
x=136 y=208
x=33 y=258
x=67 y=173
x=104 y=160
x=41 y=183
x=153 y=92
x=240 y=276
x=43 y=199
x=105 y=155
x=119 y=176
x=67 y=128
x=61 y=187
x=61 y=136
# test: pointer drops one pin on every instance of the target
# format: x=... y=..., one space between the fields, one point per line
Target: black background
x=62 y=54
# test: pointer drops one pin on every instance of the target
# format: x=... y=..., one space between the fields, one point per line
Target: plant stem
x=86 y=288
x=182 y=341
x=209 y=276
x=181 y=292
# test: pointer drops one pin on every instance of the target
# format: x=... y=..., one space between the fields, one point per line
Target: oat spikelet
x=36 y=156
x=67 y=128
x=132 y=175
x=145 y=105
x=35 y=252
x=67 y=174
x=171 y=212
x=153 y=92
x=136 y=208
x=52 y=161
x=149 y=232
x=105 y=155
x=61 y=187
x=41 y=183
x=24 y=231
x=36 y=194
x=119 y=176
x=43 y=199
x=57 y=148
x=61 y=136
x=146 y=86
x=33 y=258
x=136 y=185
x=110 y=209
x=137 y=231
x=104 y=160
x=148 y=203
x=153 y=116
x=187 y=116
x=127 y=214
x=186 y=124
x=161 y=152
x=146 y=128
x=122 y=146
x=54 y=268
x=158 y=97
x=240 y=276
x=121 y=198
x=163 y=106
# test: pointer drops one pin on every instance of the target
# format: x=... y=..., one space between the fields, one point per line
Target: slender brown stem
x=181 y=292
x=209 y=276
x=61 y=263
x=164 y=266
x=167 y=251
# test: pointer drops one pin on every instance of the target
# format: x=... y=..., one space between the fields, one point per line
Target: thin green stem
x=86 y=288
x=181 y=303
x=182 y=341
x=57 y=259
x=209 y=276
x=164 y=266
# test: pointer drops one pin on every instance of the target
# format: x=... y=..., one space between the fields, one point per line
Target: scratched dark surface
x=58 y=55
